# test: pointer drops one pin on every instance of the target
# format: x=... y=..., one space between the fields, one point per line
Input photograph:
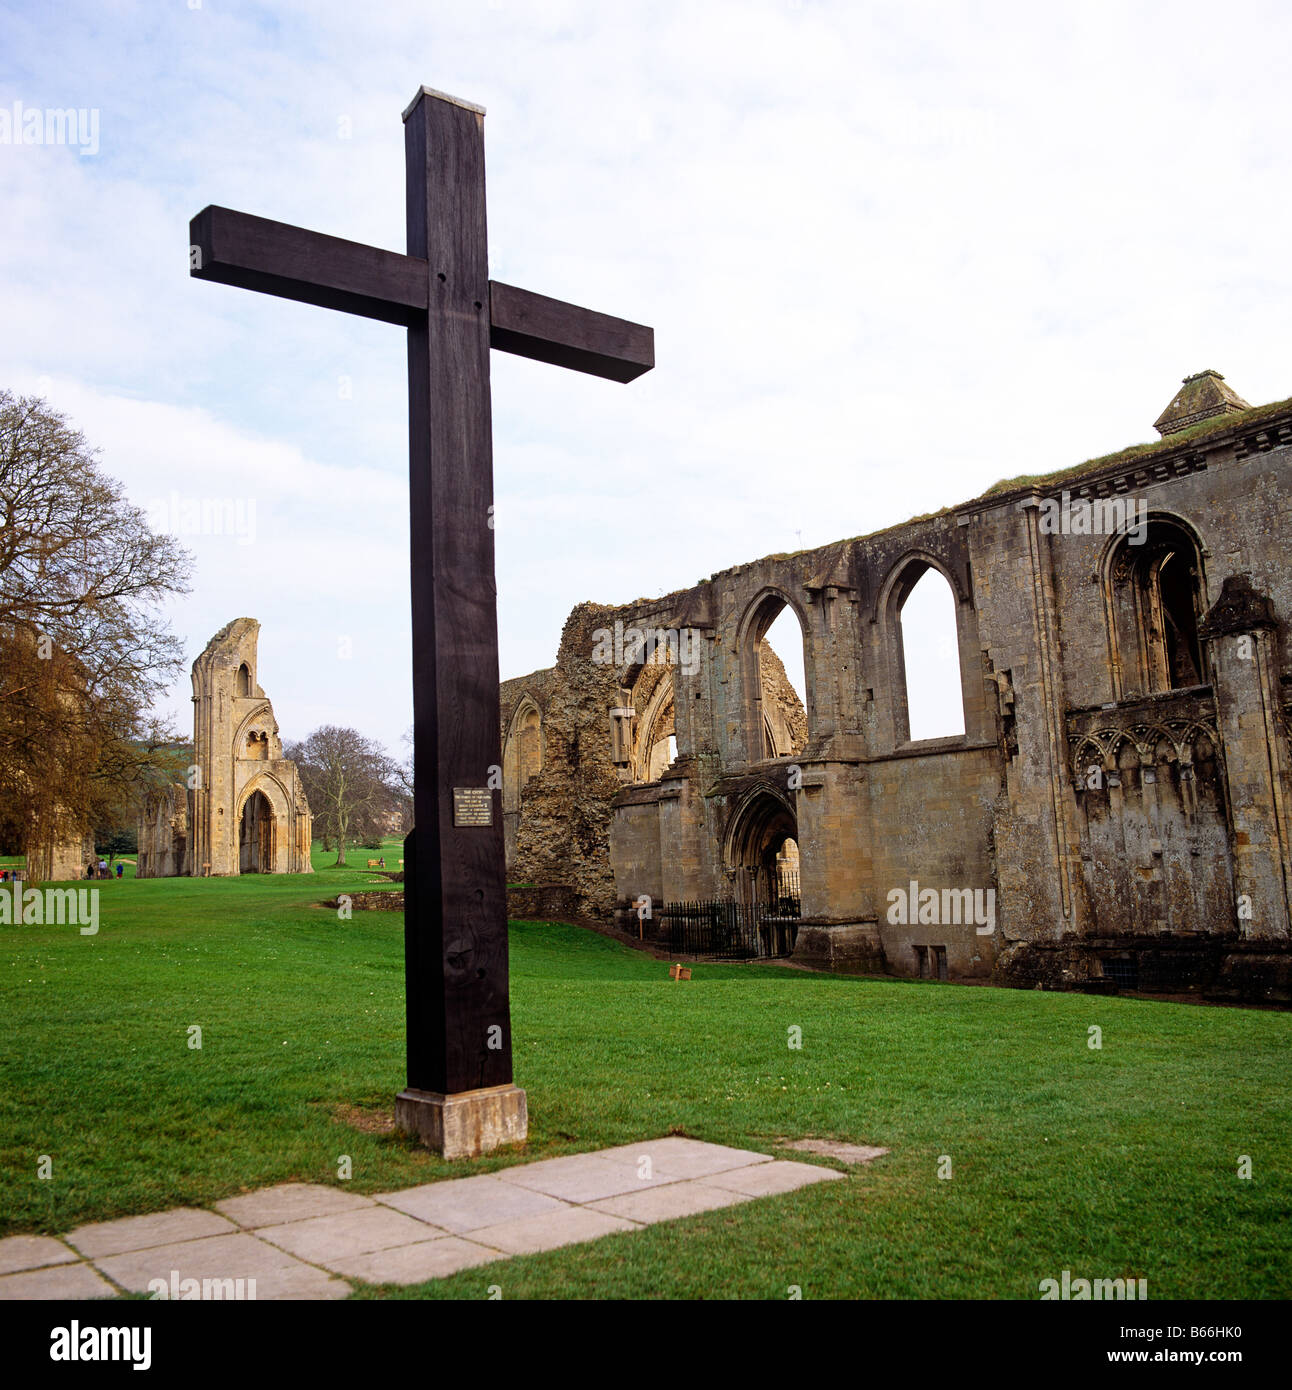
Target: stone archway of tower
x=275 y=795
x=758 y=830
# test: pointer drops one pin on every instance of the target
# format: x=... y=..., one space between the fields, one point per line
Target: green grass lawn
x=1108 y=1163
x=324 y=861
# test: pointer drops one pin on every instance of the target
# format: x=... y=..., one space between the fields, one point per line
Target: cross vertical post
x=460 y=1098
x=455 y=923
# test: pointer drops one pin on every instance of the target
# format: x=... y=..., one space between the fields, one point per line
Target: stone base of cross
x=460 y=1099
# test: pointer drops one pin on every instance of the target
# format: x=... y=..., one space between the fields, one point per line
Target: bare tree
x=84 y=651
x=349 y=780
x=404 y=774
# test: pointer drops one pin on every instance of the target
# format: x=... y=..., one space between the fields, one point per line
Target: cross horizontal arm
x=549 y=330
x=234 y=248
x=255 y=253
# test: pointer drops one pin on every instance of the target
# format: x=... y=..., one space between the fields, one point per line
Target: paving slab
x=671 y=1201
x=239 y=1256
x=141 y=1232
x=280 y=1236
x=674 y=1158
x=58 y=1281
x=300 y=1283
x=414 y=1264
x=289 y=1201
x=581 y=1177
x=782 y=1175
x=553 y=1229
x=461 y=1205
x=294 y=1281
x=325 y=1239
x=32 y=1252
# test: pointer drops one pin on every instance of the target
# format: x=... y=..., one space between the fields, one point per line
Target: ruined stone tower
x=246 y=811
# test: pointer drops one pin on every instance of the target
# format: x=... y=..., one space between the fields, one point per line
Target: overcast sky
x=892 y=253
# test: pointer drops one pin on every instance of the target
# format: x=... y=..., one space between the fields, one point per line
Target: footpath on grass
x=307 y=1241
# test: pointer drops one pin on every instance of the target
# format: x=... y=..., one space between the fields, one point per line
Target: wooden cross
x=460 y=1097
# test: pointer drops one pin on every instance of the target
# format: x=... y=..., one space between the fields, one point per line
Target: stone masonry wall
x=1121 y=797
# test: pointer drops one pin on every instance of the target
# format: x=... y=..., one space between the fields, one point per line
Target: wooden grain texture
x=549 y=330
x=455 y=933
x=254 y=253
x=455 y=902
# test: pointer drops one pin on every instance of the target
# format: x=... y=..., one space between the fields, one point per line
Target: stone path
x=300 y=1240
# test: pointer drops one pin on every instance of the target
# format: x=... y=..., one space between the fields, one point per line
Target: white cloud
x=892 y=253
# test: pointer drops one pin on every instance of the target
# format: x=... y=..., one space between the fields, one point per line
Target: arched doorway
x=763 y=854
x=256 y=835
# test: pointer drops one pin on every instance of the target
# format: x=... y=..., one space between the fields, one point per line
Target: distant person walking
x=121 y=868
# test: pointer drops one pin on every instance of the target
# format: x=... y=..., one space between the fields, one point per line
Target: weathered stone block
x=467 y=1124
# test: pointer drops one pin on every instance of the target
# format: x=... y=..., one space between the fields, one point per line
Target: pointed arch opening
x=643 y=726
x=1156 y=598
x=256 y=835
x=776 y=679
x=523 y=753
x=658 y=746
x=928 y=639
x=762 y=853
